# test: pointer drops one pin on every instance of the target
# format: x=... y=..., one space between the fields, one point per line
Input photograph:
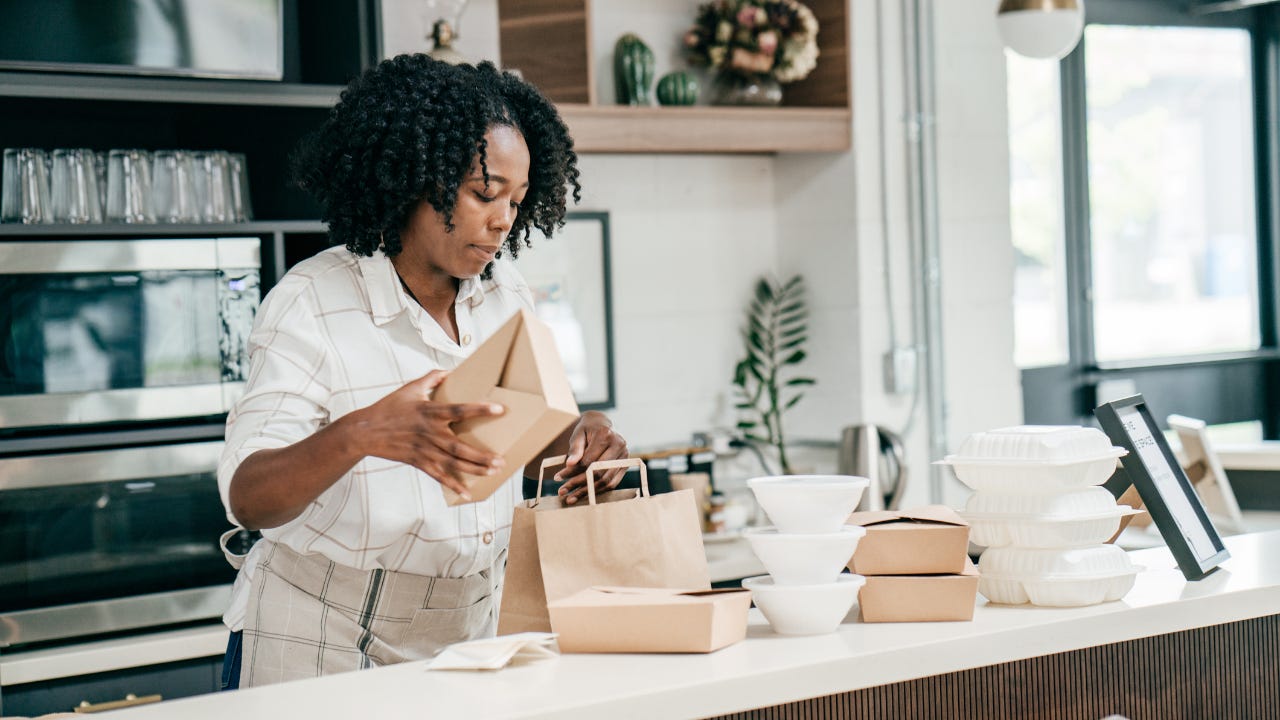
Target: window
x=1171 y=177
x=1035 y=197
x=1142 y=205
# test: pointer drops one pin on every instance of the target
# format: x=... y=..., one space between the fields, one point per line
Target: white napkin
x=496 y=652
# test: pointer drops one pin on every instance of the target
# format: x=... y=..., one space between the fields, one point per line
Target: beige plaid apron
x=308 y=616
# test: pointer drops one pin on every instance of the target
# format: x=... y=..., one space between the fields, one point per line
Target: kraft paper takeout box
x=921 y=541
x=660 y=620
x=519 y=368
x=920 y=598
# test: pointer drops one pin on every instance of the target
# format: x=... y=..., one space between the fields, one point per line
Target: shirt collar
x=471 y=291
x=387 y=298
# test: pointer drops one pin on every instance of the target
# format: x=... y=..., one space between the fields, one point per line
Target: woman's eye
x=484 y=198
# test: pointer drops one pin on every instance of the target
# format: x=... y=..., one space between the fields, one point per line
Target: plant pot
x=731 y=88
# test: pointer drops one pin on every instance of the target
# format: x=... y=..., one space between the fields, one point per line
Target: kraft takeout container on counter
x=920 y=598
x=642 y=620
x=519 y=368
x=922 y=541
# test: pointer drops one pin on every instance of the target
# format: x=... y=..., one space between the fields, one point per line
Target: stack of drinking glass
x=805 y=551
x=78 y=185
x=1038 y=511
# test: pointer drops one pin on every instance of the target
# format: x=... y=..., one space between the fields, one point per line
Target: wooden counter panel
x=1222 y=671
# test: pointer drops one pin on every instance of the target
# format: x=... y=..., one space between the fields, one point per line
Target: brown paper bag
x=619 y=538
x=524 y=600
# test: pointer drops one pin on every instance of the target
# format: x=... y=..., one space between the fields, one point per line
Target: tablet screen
x=1166 y=481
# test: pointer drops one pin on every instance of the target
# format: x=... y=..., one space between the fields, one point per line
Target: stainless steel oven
x=104 y=331
x=110 y=540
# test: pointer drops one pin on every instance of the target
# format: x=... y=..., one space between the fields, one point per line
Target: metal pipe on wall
x=922 y=214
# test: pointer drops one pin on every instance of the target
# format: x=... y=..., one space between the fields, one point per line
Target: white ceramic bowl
x=804 y=609
x=808 y=503
x=804 y=558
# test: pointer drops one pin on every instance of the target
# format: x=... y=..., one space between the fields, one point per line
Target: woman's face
x=482 y=215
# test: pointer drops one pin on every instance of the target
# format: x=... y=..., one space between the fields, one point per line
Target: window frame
x=1219 y=388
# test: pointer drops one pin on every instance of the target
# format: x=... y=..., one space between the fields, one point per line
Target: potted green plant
x=774 y=341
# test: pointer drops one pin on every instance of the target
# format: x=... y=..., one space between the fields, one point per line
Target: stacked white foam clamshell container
x=1038 y=511
x=805 y=551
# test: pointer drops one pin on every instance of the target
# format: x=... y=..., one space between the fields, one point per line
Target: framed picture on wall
x=570 y=278
x=1168 y=494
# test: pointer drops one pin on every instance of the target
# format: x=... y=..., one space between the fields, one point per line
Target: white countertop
x=1262 y=455
x=729 y=557
x=767 y=669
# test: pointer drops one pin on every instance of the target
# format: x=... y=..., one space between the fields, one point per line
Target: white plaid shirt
x=337 y=334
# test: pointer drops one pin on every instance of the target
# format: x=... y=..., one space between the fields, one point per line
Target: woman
x=427 y=174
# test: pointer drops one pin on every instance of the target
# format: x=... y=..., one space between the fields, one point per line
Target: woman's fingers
x=606 y=480
x=453 y=484
x=452 y=413
x=424 y=385
x=447 y=457
x=451 y=464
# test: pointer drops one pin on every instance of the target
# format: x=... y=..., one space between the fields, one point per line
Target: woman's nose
x=504 y=218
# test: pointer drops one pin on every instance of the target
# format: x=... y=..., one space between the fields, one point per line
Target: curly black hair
x=408 y=130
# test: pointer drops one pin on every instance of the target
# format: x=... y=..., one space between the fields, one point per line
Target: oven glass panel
x=105 y=540
x=87 y=332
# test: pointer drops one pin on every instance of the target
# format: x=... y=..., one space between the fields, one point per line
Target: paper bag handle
x=611 y=464
x=542 y=469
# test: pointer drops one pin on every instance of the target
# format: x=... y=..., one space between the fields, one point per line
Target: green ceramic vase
x=632 y=70
x=678 y=88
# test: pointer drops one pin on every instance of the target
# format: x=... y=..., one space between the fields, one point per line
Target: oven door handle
x=131 y=464
x=129 y=700
x=122 y=256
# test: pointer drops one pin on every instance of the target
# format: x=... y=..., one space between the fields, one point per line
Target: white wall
x=691 y=233
x=984 y=388
x=840 y=245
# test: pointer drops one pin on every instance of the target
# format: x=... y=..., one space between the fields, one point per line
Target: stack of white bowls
x=805 y=551
x=1037 y=509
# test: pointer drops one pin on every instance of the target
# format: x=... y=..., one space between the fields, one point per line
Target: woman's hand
x=592 y=440
x=407 y=426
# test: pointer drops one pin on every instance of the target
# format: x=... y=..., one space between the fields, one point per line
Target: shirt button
x=487 y=537
x=466 y=339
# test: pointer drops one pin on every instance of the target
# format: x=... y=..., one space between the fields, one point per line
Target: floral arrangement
x=764 y=37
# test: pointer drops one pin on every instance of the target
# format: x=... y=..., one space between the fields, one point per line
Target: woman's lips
x=487 y=253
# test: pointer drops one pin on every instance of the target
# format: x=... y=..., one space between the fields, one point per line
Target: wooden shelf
x=620 y=129
x=816 y=116
x=167 y=90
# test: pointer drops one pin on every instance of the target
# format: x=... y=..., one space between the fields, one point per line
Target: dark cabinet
x=170 y=681
x=326 y=44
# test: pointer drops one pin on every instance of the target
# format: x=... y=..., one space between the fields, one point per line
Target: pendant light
x=1040 y=28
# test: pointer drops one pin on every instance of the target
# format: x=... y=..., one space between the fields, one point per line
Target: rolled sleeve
x=287 y=392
